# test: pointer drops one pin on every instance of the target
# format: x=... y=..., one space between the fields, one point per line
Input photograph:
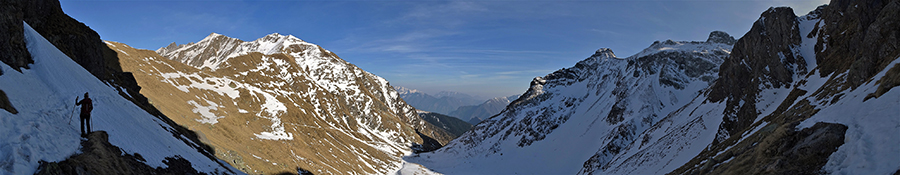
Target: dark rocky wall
x=70 y=36
x=12 y=38
x=859 y=35
x=762 y=57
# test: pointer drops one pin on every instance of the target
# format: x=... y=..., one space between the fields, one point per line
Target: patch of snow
x=206 y=112
x=414 y=169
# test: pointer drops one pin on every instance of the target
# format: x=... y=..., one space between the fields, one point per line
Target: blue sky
x=485 y=48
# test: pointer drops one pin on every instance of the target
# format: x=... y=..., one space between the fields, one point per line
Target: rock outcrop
x=763 y=58
x=859 y=36
x=98 y=156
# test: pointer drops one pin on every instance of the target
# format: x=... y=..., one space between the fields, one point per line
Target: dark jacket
x=86 y=107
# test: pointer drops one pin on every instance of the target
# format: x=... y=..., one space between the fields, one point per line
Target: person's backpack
x=89 y=105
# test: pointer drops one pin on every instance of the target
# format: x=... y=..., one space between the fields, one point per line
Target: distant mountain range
x=476 y=113
x=460 y=105
x=443 y=102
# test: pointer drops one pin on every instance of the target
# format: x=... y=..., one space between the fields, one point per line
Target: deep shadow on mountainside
x=452 y=124
x=83 y=45
x=474 y=114
x=100 y=157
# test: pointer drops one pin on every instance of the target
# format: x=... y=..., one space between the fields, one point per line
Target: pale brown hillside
x=330 y=133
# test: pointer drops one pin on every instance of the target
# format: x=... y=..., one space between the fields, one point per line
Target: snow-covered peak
x=685 y=46
x=499 y=99
x=604 y=53
x=279 y=37
x=212 y=36
x=403 y=90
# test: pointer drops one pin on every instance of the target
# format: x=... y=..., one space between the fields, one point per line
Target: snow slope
x=873 y=134
x=44 y=128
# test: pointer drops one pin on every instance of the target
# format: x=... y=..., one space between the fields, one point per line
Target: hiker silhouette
x=86 y=107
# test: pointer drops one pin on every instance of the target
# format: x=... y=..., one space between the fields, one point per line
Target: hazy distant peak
x=452 y=94
x=403 y=90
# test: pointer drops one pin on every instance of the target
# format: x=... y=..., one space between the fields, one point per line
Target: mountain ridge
x=280 y=94
x=664 y=75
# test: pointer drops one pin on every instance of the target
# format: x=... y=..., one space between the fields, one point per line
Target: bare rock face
x=721 y=37
x=5 y=104
x=762 y=58
x=12 y=38
x=782 y=150
x=74 y=38
x=861 y=36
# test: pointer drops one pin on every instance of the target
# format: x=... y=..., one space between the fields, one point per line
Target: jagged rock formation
x=475 y=114
x=764 y=58
x=279 y=103
x=6 y=105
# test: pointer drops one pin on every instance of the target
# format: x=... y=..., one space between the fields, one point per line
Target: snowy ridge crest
x=216 y=49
